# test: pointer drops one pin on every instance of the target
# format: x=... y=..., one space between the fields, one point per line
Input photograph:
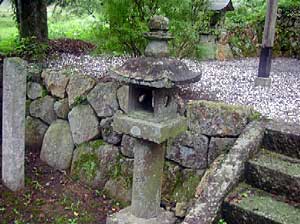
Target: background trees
x=117 y=26
x=31 y=17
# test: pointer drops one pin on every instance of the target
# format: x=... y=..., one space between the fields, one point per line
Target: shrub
x=245 y=27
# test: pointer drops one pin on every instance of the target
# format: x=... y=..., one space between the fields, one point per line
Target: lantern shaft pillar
x=147 y=179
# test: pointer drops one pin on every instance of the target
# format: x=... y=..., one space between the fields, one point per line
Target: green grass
x=59 y=26
x=70 y=26
x=8 y=31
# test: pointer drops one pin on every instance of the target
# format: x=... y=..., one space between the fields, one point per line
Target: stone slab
x=276 y=174
x=189 y=150
x=263 y=82
x=13 y=142
x=125 y=217
x=149 y=130
x=283 y=138
x=247 y=205
x=217 y=119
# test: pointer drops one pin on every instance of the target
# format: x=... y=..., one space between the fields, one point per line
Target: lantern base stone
x=151 y=130
x=126 y=217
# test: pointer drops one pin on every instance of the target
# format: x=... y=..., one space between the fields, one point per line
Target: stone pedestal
x=263 y=82
x=13 y=141
x=125 y=216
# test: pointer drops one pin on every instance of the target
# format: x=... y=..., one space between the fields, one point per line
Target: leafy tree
x=31 y=17
x=127 y=20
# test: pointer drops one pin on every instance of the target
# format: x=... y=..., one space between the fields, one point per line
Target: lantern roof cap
x=155 y=72
x=156 y=69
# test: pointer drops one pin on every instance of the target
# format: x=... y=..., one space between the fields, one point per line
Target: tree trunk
x=32 y=19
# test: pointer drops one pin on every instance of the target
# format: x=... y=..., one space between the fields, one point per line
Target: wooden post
x=268 y=39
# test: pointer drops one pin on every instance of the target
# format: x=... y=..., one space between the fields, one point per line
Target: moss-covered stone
x=179 y=185
x=275 y=173
x=249 y=205
x=185 y=186
x=34 y=133
x=94 y=162
x=119 y=186
x=217 y=119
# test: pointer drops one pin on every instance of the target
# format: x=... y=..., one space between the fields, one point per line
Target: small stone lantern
x=152 y=118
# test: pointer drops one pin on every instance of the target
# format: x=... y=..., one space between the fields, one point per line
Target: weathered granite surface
x=13 y=127
x=127 y=145
x=56 y=81
x=61 y=108
x=250 y=205
x=58 y=145
x=34 y=133
x=84 y=124
x=223 y=175
x=43 y=108
x=122 y=95
x=107 y=132
x=189 y=150
x=275 y=173
x=149 y=130
x=217 y=119
x=283 y=138
x=94 y=162
x=154 y=72
x=34 y=90
x=103 y=99
x=78 y=88
x=217 y=146
x=125 y=217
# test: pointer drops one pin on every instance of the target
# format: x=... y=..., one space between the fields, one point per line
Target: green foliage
x=30 y=48
x=246 y=25
x=125 y=21
x=8 y=31
x=79 y=100
x=222 y=221
x=79 y=7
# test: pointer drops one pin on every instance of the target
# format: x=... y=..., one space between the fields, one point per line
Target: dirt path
x=52 y=197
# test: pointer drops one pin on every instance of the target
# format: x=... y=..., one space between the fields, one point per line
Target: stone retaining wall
x=69 y=118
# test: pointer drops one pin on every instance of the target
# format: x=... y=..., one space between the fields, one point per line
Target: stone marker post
x=151 y=118
x=265 y=59
x=13 y=123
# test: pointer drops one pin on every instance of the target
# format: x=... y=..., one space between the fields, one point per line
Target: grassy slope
x=8 y=30
x=60 y=26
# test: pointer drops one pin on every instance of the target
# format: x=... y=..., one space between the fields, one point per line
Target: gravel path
x=229 y=81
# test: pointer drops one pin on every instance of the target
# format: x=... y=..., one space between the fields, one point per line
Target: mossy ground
x=52 y=197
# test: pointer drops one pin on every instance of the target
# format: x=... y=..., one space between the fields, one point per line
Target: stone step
x=283 y=138
x=248 y=205
x=275 y=173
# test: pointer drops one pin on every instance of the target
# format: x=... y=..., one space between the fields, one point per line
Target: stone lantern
x=152 y=118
